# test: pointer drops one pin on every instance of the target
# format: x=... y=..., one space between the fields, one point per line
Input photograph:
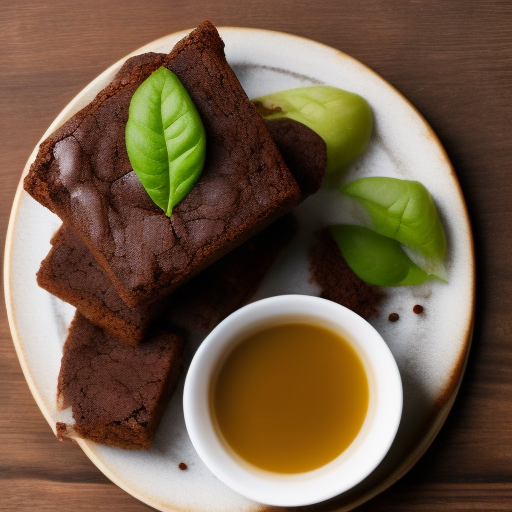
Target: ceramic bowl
x=351 y=466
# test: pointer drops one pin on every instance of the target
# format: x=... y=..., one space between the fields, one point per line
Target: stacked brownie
x=71 y=273
x=82 y=173
x=117 y=257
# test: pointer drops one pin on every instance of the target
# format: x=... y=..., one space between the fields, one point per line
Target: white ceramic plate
x=430 y=349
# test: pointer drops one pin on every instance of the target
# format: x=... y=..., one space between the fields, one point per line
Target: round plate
x=431 y=349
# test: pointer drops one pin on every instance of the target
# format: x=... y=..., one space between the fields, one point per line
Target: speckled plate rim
x=444 y=404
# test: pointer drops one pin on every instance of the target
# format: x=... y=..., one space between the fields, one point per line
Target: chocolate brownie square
x=82 y=173
x=117 y=392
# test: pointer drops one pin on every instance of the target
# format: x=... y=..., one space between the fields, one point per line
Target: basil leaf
x=405 y=211
x=376 y=259
x=343 y=119
x=165 y=139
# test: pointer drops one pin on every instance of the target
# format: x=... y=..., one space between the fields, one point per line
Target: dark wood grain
x=453 y=60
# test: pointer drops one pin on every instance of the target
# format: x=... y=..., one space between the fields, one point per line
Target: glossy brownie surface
x=83 y=174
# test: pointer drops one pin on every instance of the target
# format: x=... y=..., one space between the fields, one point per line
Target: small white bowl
x=350 y=467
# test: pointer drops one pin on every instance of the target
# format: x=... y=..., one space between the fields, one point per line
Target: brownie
x=303 y=151
x=337 y=280
x=117 y=392
x=82 y=173
x=72 y=274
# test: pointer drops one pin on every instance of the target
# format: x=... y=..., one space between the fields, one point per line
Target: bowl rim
x=351 y=466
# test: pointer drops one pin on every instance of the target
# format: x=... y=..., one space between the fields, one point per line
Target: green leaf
x=165 y=139
x=343 y=119
x=405 y=211
x=376 y=259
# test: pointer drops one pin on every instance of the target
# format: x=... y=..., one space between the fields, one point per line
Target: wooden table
x=452 y=59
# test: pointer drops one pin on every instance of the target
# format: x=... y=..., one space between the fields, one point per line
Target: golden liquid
x=291 y=398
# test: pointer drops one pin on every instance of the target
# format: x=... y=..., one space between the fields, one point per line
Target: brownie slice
x=70 y=272
x=117 y=392
x=337 y=280
x=303 y=151
x=82 y=173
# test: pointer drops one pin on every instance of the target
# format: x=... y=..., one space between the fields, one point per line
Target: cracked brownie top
x=82 y=173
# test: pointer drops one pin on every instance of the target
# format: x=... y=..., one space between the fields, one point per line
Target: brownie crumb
x=337 y=281
x=182 y=466
x=393 y=317
x=64 y=432
x=418 y=309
